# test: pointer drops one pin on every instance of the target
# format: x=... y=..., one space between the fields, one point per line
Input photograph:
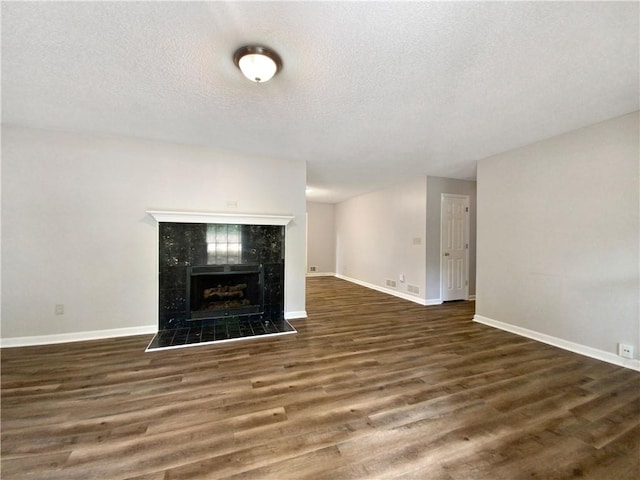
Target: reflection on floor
x=222 y=330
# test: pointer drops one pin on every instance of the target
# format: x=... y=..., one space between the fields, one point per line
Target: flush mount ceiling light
x=258 y=64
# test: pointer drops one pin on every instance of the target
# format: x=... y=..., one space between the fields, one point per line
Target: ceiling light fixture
x=258 y=64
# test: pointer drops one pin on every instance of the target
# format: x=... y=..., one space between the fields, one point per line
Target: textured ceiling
x=370 y=93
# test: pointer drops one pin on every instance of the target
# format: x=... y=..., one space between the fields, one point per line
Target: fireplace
x=217 y=291
x=217 y=280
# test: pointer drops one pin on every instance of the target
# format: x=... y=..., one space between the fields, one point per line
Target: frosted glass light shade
x=258 y=64
x=257 y=67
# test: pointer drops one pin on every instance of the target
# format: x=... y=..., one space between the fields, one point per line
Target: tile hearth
x=217 y=331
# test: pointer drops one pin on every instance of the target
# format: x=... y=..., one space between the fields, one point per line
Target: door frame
x=466 y=240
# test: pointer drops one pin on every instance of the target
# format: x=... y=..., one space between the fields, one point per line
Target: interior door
x=454 y=247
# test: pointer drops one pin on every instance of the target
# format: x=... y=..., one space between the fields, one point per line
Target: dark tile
x=233 y=329
x=194 y=335
x=223 y=329
x=180 y=338
x=182 y=245
x=245 y=329
x=220 y=330
x=208 y=334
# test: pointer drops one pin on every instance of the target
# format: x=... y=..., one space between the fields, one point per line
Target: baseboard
x=98 y=334
x=472 y=298
x=389 y=291
x=321 y=274
x=295 y=315
x=608 y=357
x=76 y=336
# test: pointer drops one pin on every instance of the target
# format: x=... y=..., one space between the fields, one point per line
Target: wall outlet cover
x=625 y=351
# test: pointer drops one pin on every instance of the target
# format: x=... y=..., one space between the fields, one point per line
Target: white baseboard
x=295 y=315
x=76 y=336
x=98 y=334
x=389 y=291
x=560 y=343
x=321 y=274
x=472 y=298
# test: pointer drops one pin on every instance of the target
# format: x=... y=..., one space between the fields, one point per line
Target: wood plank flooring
x=371 y=387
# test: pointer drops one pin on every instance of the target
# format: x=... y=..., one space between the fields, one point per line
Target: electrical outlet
x=391 y=283
x=59 y=309
x=313 y=269
x=625 y=351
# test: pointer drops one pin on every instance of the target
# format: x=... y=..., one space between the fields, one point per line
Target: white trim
x=608 y=357
x=295 y=315
x=388 y=291
x=472 y=298
x=321 y=274
x=77 y=336
x=432 y=301
x=230 y=218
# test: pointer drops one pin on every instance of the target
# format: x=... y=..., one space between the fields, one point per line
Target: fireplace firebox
x=217 y=291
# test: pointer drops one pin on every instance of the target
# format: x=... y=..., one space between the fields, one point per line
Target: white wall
x=436 y=186
x=321 y=238
x=375 y=237
x=558 y=236
x=75 y=231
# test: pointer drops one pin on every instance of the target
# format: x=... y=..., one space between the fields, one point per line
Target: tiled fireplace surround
x=224 y=240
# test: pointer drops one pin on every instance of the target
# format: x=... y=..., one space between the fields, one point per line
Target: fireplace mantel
x=229 y=218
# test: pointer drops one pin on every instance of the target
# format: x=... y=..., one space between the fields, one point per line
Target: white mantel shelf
x=230 y=218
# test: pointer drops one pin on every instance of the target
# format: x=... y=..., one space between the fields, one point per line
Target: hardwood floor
x=371 y=387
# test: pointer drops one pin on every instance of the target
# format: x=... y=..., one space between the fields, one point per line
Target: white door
x=454 y=247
